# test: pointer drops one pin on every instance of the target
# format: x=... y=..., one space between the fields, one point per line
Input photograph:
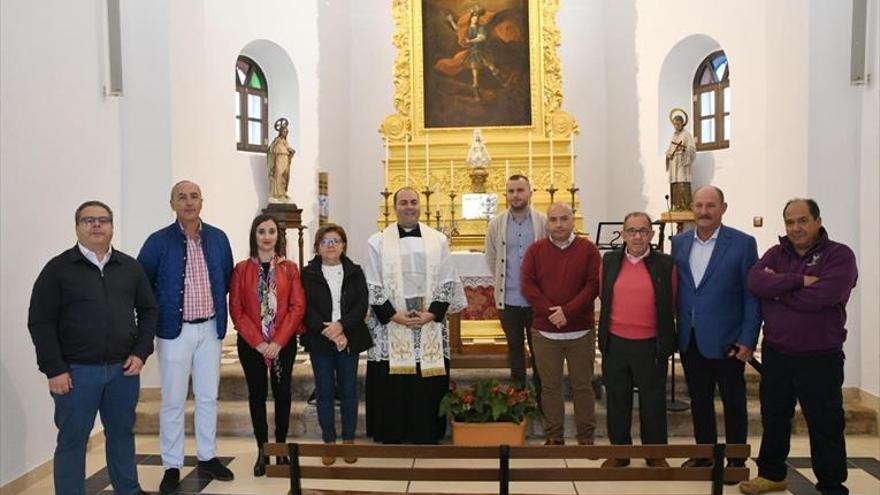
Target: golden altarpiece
x=463 y=65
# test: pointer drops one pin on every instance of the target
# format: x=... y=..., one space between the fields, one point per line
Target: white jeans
x=196 y=350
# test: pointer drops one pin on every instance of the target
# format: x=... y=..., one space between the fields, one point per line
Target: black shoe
x=215 y=470
x=170 y=481
x=260 y=465
x=282 y=460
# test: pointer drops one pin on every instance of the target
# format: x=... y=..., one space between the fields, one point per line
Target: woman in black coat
x=337 y=302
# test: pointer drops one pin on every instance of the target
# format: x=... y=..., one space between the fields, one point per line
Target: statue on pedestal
x=478 y=161
x=680 y=156
x=278 y=159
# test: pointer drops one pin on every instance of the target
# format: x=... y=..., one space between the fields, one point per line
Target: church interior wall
x=64 y=142
x=869 y=210
x=60 y=145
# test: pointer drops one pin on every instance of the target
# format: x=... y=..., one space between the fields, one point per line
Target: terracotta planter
x=482 y=434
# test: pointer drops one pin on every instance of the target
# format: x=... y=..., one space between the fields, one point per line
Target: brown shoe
x=588 y=441
x=555 y=441
x=694 y=462
x=615 y=463
x=657 y=463
x=349 y=459
x=328 y=460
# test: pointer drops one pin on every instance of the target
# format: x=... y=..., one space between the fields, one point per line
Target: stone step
x=234 y=387
x=234 y=420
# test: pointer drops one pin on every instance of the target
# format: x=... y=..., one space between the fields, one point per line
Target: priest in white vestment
x=680 y=156
x=413 y=284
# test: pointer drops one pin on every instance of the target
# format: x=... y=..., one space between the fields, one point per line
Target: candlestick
x=551 y=158
x=406 y=160
x=572 y=190
x=552 y=190
x=385 y=194
x=437 y=218
x=387 y=156
x=453 y=230
x=531 y=178
x=427 y=167
x=451 y=174
x=427 y=192
x=571 y=148
x=506 y=170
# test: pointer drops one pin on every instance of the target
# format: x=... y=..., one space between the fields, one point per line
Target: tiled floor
x=238 y=454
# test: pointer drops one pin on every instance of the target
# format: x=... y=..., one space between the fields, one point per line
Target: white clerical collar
x=564 y=244
x=635 y=259
x=91 y=256
x=711 y=237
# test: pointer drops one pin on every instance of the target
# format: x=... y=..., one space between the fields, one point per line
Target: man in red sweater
x=637 y=335
x=560 y=279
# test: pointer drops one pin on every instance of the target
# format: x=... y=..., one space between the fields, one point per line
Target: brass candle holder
x=427 y=192
x=437 y=218
x=453 y=229
x=386 y=194
x=552 y=190
x=572 y=190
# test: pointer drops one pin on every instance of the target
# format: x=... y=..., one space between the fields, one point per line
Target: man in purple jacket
x=804 y=283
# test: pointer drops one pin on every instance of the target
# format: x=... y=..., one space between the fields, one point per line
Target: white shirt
x=91 y=256
x=564 y=244
x=701 y=252
x=635 y=259
x=333 y=275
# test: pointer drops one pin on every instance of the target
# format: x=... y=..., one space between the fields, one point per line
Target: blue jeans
x=336 y=371
x=96 y=388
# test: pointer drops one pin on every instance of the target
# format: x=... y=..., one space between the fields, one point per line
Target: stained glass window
x=712 y=102
x=251 y=106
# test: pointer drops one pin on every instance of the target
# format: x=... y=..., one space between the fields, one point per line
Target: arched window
x=251 y=106
x=712 y=103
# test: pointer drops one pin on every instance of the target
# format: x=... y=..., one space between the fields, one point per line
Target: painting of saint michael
x=476 y=63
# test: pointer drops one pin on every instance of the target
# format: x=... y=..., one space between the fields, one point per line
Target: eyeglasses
x=639 y=232
x=94 y=220
x=331 y=242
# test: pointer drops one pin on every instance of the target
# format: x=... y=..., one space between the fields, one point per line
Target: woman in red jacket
x=267 y=302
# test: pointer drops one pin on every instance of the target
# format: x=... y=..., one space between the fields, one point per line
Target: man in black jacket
x=637 y=335
x=92 y=347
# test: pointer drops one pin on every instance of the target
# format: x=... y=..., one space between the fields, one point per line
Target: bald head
x=710 y=189
x=560 y=222
x=186 y=201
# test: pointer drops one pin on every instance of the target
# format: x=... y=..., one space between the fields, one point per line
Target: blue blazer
x=720 y=311
x=163 y=257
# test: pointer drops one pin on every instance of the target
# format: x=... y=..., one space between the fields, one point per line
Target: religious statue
x=278 y=159
x=478 y=160
x=478 y=155
x=680 y=157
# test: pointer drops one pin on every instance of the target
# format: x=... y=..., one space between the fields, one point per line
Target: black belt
x=199 y=320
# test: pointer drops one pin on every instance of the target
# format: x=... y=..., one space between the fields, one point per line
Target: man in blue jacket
x=718 y=319
x=189 y=264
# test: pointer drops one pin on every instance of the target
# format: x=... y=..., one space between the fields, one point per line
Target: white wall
x=869 y=208
x=59 y=146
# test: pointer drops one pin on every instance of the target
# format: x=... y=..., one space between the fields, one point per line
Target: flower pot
x=483 y=434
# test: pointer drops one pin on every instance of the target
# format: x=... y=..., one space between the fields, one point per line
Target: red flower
x=468 y=399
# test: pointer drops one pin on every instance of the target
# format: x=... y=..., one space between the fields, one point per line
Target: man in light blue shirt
x=718 y=319
x=508 y=237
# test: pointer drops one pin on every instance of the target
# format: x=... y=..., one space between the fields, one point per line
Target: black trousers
x=258 y=378
x=627 y=363
x=516 y=322
x=702 y=375
x=814 y=381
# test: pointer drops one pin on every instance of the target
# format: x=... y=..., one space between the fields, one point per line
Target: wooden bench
x=504 y=473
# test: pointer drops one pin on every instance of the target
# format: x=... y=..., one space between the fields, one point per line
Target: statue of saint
x=680 y=156
x=278 y=159
x=478 y=155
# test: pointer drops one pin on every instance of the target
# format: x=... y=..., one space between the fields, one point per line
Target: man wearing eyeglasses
x=637 y=335
x=92 y=318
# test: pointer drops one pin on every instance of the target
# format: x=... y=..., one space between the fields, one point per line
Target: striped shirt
x=197 y=300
